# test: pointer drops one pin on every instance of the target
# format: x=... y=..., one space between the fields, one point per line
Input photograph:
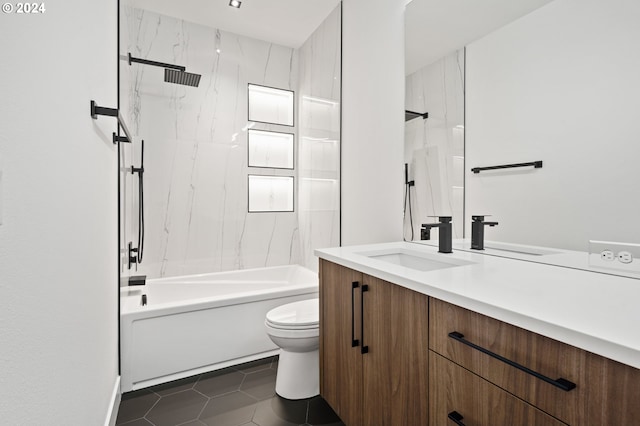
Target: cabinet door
x=395 y=367
x=606 y=392
x=340 y=360
x=476 y=401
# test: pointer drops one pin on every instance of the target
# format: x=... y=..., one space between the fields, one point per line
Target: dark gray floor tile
x=134 y=405
x=177 y=408
x=232 y=409
x=138 y=422
x=174 y=386
x=320 y=413
x=261 y=384
x=257 y=365
x=193 y=423
x=278 y=411
x=219 y=382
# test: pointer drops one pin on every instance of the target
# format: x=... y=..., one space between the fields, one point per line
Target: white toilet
x=294 y=328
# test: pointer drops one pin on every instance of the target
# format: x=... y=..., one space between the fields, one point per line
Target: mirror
x=556 y=82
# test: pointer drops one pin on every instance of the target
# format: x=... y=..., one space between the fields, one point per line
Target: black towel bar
x=535 y=164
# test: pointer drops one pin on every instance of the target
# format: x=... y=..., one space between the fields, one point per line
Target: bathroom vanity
x=412 y=337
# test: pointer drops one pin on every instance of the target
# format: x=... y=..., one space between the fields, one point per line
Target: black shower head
x=181 y=77
x=172 y=73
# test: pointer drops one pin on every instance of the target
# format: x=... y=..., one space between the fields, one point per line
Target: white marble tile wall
x=434 y=148
x=319 y=140
x=196 y=157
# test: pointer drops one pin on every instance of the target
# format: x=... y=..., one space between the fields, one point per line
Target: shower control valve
x=133 y=258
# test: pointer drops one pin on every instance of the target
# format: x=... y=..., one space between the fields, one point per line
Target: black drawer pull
x=363 y=349
x=561 y=383
x=354 y=341
x=456 y=417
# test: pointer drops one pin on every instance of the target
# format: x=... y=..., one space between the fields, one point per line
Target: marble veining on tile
x=196 y=153
x=434 y=147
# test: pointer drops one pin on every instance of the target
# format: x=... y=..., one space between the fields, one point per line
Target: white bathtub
x=197 y=323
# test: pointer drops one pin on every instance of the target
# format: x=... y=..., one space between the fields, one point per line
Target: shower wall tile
x=319 y=140
x=195 y=151
x=434 y=148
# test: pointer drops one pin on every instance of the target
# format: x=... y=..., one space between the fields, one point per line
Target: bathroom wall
x=559 y=85
x=434 y=147
x=319 y=140
x=58 y=216
x=196 y=171
x=372 y=121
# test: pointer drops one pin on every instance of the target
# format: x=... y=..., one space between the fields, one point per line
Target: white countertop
x=593 y=311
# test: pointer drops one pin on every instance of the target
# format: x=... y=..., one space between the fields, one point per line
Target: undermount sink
x=520 y=249
x=415 y=259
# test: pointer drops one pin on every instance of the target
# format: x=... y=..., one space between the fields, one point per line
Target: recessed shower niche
x=270 y=149
x=270 y=105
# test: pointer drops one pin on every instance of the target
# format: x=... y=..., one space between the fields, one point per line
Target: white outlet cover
x=625 y=257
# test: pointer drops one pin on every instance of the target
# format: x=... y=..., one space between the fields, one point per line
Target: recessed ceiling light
x=235 y=3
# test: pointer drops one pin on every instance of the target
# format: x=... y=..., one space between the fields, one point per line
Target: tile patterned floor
x=243 y=395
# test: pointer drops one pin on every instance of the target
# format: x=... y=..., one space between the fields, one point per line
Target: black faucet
x=444 y=236
x=477 y=231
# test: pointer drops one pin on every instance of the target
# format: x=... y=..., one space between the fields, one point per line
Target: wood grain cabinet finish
x=454 y=390
x=387 y=385
x=606 y=392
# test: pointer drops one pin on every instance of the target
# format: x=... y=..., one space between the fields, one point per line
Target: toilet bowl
x=294 y=329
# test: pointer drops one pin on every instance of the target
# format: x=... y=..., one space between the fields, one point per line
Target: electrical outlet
x=622 y=257
x=625 y=257
x=607 y=255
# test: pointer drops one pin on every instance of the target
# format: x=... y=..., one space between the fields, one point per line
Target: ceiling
x=436 y=28
x=433 y=28
x=284 y=22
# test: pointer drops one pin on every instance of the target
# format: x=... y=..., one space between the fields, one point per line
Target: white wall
x=372 y=121
x=559 y=85
x=58 y=238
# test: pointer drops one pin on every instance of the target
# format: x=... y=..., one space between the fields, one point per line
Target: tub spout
x=137 y=280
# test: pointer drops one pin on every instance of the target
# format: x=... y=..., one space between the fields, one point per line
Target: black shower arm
x=155 y=63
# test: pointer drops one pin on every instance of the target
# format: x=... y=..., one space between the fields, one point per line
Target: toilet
x=294 y=329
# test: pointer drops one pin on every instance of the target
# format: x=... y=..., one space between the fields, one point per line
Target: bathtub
x=197 y=323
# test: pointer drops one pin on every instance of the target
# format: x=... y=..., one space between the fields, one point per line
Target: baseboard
x=114 y=404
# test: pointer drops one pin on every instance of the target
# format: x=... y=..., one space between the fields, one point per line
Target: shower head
x=172 y=73
x=181 y=77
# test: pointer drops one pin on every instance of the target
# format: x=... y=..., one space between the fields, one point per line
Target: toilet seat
x=302 y=315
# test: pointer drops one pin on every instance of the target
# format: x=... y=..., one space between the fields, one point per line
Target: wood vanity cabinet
x=373 y=349
x=606 y=392
x=390 y=356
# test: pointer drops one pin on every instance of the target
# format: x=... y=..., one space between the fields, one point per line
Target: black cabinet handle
x=560 y=383
x=354 y=341
x=456 y=417
x=363 y=349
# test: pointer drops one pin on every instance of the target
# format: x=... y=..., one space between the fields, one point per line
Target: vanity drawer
x=606 y=392
x=460 y=397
